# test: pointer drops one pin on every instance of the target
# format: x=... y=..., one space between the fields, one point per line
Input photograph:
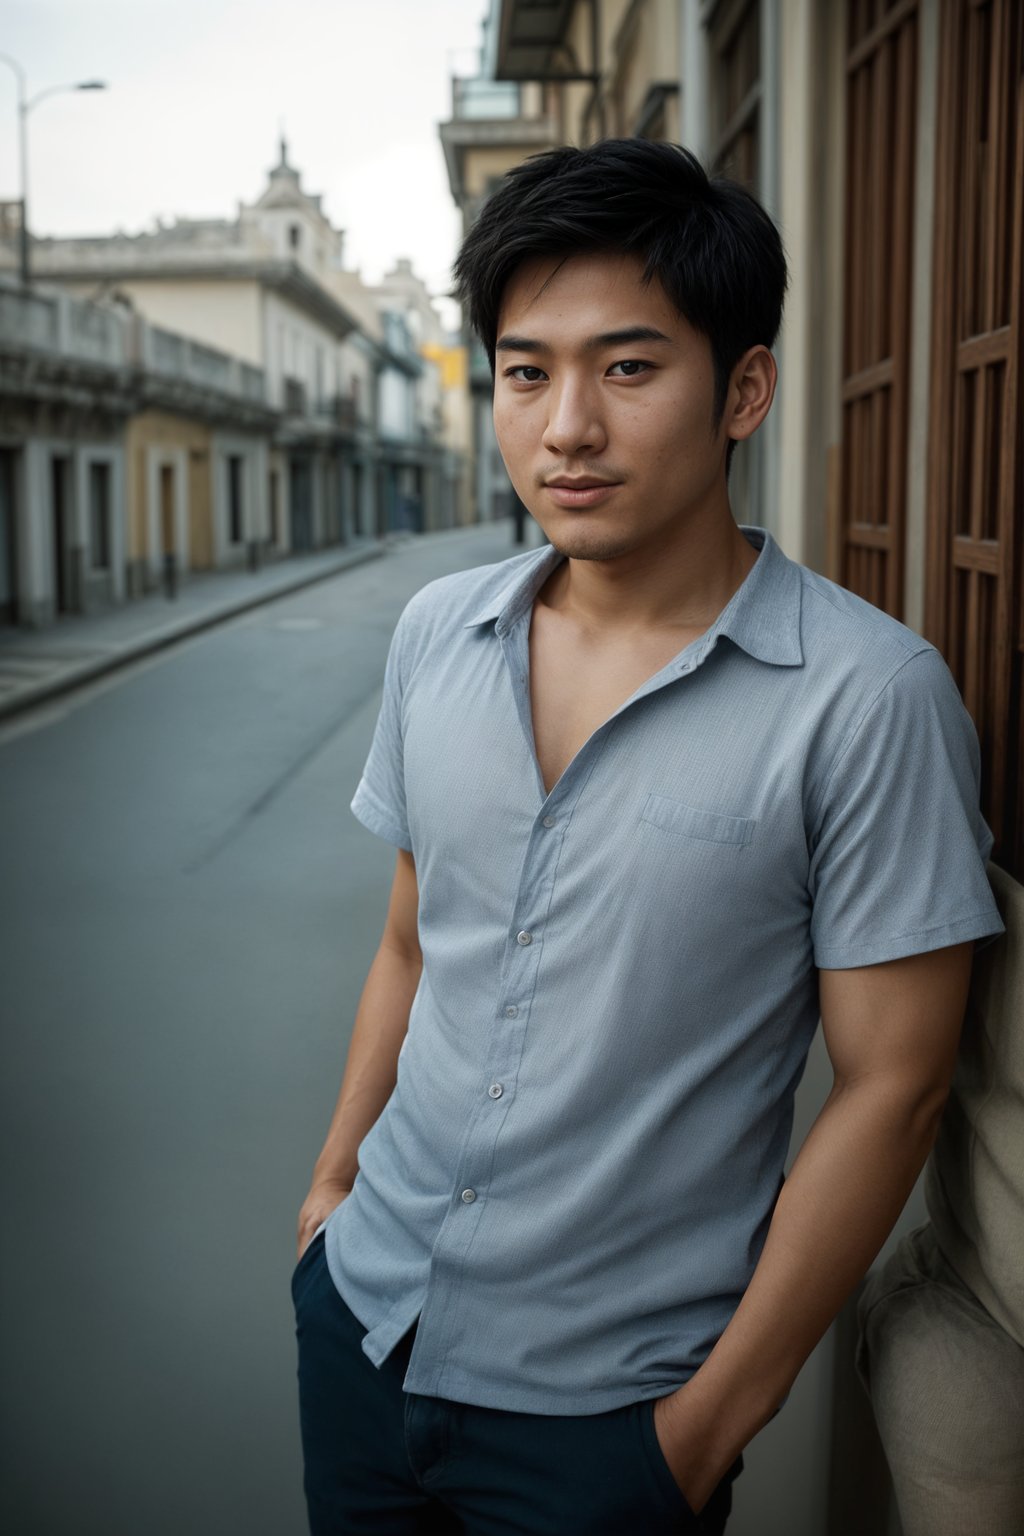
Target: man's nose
x=574 y=423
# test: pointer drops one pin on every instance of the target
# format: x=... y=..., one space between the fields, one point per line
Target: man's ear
x=751 y=391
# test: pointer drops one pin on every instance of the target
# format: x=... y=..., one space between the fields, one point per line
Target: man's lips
x=581 y=491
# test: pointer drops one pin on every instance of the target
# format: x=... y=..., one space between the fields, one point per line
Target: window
x=99 y=516
x=294 y=236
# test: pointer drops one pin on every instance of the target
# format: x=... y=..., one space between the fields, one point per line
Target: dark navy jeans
x=379 y=1459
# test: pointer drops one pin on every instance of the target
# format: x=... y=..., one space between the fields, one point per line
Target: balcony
x=295 y=398
x=57 y=324
x=179 y=358
x=489 y=100
x=341 y=410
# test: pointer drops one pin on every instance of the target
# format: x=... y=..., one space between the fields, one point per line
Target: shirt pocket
x=706 y=826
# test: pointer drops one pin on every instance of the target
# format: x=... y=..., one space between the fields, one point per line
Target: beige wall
x=185 y=445
x=225 y=315
x=484 y=162
x=293 y=343
x=648 y=53
x=638 y=47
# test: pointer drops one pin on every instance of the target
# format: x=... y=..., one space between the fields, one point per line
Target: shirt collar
x=762 y=617
x=512 y=600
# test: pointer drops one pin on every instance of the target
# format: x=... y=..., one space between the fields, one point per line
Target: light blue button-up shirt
x=572 y=1181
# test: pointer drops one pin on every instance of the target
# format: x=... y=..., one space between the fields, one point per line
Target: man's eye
x=525 y=374
x=629 y=368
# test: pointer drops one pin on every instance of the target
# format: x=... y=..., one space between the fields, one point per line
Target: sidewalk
x=39 y=664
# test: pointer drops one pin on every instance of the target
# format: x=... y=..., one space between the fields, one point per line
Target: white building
x=269 y=287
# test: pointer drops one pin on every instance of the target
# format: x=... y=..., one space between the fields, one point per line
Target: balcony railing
x=294 y=397
x=253 y=382
x=56 y=323
x=342 y=410
x=179 y=357
x=27 y=319
x=486 y=99
x=95 y=335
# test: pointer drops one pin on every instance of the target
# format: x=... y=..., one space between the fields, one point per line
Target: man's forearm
x=847 y=1187
x=382 y=1020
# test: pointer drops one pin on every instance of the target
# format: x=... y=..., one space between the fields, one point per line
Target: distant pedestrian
x=661 y=797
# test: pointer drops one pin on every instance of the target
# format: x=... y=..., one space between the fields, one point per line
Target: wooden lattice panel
x=975 y=455
x=881 y=90
x=735 y=40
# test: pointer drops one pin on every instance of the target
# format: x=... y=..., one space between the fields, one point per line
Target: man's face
x=603 y=404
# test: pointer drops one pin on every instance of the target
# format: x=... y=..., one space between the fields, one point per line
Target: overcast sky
x=197 y=89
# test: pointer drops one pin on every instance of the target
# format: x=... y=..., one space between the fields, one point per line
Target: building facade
x=269 y=287
x=268 y=401
x=129 y=456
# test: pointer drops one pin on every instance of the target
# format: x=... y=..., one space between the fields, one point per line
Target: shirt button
x=524 y=938
x=495 y=1090
x=512 y=1012
x=549 y=821
x=468 y=1196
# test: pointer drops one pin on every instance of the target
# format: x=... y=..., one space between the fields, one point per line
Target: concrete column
x=284 y=484
x=347 y=511
x=152 y=555
x=182 y=523
x=316 y=492
x=218 y=503
x=78 y=537
x=694 y=75
x=798 y=358
x=35 y=537
x=261 y=491
x=118 y=522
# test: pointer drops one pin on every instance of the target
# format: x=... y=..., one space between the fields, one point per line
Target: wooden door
x=881 y=97
x=976 y=457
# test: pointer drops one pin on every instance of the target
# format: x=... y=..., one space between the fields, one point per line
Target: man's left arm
x=892 y=1032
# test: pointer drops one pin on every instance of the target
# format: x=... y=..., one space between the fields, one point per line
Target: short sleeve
x=379 y=801
x=899 y=851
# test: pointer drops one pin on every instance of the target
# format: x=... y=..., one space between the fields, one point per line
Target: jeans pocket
x=660 y=1469
x=314 y=1247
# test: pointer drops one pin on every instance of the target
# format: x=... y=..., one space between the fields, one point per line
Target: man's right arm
x=382 y=1020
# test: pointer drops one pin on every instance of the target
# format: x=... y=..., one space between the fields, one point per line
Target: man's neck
x=682 y=586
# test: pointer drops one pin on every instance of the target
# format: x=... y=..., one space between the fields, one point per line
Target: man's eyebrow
x=627 y=335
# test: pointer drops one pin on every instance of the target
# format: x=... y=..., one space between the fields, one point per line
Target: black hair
x=707 y=240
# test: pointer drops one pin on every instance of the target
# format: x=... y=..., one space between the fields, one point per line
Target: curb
x=78 y=675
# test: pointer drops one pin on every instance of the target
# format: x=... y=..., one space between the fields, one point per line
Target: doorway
x=300 y=498
x=60 y=507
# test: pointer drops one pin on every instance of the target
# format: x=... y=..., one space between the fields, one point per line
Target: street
x=188 y=912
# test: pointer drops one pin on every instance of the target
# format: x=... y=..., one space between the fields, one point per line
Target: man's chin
x=578 y=544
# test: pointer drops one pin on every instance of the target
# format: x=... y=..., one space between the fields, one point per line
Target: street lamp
x=25 y=106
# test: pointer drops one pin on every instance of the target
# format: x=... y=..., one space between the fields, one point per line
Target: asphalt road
x=187 y=912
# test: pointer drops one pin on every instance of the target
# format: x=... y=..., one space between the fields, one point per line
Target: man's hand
x=694 y=1460
x=891 y=1031
x=382 y=1020
x=324 y=1197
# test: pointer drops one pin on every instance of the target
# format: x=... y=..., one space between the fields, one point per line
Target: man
x=660 y=796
